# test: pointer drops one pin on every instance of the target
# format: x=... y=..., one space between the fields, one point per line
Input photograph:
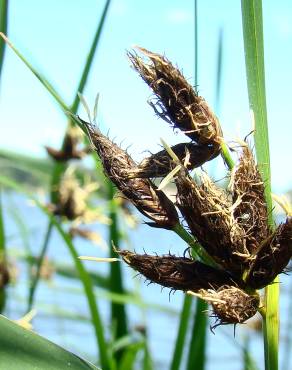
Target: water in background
x=62 y=312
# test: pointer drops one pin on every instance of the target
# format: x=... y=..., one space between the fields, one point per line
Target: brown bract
x=177 y=102
x=142 y=193
x=177 y=273
x=160 y=164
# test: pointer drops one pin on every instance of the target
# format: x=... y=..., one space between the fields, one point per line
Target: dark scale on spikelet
x=142 y=193
x=208 y=213
x=177 y=102
x=178 y=273
x=231 y=305
x=160 y=164
x=250 y=210
x=272 y=257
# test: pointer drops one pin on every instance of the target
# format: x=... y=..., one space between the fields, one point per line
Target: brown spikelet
x=272 y=257
x=160 y=164
x=208 y=213
x=142 y=193
x=71 y=198
x=250 y=210
x=231 y=305
x=69 y=149
x=177 y=102
x=178 y=273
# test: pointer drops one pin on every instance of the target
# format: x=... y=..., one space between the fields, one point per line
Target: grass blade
x=89 y=60
x=38 y=75
x=197 y=347
x=182 y=332
x=254 y=59
x=22 y=349
x=3 y=28
x=39 y=263
x=118 y=312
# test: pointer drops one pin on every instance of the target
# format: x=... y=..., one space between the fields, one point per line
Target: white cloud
x=178 y=16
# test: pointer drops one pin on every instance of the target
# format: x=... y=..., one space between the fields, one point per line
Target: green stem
x=271 y=325
x=118 y=312
x=182 y=332
x=197 y=348
x=252 y=21
x=196 y=247
x=225 y=153
x=39 y=261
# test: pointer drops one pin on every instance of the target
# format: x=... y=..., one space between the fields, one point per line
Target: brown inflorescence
x=178 y=273
x=272 y=257
x=142 y=193
x=208 y=213
x=230 y=225
x=70 y=147
x=250 y=210
x=192 y=155
x=177 y=102
x=231 y=305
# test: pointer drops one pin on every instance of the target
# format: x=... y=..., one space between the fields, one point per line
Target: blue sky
x=56 y=35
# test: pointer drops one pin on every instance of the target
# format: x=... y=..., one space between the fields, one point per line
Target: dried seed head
x=72 y=197
x=231 y=305
x=178 y=273
x=273 y=256
x=69 y=150
x=208 y=213
x=177 y=102
x=160 y=164
x=250 y=210
x=142 y=193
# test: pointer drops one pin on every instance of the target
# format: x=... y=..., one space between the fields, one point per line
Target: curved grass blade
x=39 y=263
x=22 y=349
x=130 y=355
x=84 y=277
x=182 y=332
x=89 y=60
x=38 y=75
x=3 y=28
x=254 y=59
x=197 y=347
